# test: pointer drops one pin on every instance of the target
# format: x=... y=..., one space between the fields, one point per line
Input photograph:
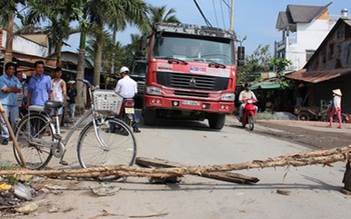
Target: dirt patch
x=311 y=134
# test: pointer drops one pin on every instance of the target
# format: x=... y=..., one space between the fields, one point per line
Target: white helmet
x=124 y=69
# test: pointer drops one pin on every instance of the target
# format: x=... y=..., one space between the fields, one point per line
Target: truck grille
x=192 y=81
x=191 y=94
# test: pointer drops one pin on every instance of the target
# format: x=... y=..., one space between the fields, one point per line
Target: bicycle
x=104 y=141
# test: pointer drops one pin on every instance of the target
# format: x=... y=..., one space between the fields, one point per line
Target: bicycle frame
x=56 y=127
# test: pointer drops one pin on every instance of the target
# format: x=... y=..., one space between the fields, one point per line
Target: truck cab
x=191 y=74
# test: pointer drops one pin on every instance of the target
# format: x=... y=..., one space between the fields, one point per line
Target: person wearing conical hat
x=336 y=108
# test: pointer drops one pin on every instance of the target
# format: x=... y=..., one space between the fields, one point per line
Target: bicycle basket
x=107 y=101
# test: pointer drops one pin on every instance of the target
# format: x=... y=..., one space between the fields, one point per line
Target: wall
x=25 y=46
x=335 y=53
x=309 y=36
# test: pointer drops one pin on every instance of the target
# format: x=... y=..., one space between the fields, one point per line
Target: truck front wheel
x=149 y=117
x=216 y=121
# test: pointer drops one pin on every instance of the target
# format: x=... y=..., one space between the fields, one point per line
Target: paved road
x=315 y=190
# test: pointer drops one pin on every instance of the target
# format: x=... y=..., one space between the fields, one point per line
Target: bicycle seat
x=53 y=104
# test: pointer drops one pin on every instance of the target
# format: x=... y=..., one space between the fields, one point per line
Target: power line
x=222 y=14
x=215 y=11
x=202 y=14
x=226 y=3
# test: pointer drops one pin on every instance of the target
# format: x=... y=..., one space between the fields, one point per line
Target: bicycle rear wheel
x=39 y=130
x=118 y=144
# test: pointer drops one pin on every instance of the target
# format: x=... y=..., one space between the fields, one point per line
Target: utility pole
x=232 y=16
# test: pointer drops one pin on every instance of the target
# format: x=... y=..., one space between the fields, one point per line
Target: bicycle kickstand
x=63 y=162
x=59 y=137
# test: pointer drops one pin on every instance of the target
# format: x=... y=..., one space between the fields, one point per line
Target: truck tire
x=149 y=117
x=216 y=121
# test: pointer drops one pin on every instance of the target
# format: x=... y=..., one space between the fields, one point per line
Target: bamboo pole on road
x=324 y=157
x=9 y=127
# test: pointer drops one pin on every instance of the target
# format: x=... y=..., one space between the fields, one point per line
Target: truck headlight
x=153 y=90
x=228 y=97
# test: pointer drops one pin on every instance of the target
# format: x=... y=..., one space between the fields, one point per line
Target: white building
x=29 y=44
x=303 y=29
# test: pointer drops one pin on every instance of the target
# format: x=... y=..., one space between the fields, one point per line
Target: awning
x=318 y=76
x=265 y=85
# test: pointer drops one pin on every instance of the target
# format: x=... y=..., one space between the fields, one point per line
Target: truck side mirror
x=241 y=55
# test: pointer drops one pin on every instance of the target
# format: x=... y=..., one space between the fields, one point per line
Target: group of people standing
x=16 y=95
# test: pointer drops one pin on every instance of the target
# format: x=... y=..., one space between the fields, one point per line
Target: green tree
x=100 y=13
x=259 y=61
x=9 y=11
x=280 y=65
x=59 y=14
x=159 y=14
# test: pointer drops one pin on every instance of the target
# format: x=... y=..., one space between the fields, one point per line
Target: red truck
x=191 y=74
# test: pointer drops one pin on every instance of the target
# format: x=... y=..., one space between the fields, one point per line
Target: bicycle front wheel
x=111 y=144
x=34 y=136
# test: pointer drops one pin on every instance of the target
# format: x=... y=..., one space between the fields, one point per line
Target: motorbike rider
x=127 y=88
x=245 y=94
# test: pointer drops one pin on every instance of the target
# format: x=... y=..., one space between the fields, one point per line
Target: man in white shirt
x=245 y=94
x=127 y=88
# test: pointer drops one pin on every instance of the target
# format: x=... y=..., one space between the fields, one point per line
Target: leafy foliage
x=258 y=61
x=261 y=61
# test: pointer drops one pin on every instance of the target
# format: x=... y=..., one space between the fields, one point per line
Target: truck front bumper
x=158 y=102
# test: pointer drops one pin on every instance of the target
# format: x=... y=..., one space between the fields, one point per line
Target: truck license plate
x=191 y=103
x=129 y=110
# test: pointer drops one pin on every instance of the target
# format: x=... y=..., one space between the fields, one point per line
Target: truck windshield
x=194 y=49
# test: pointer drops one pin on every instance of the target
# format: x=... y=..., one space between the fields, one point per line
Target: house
x=29 y=44
x=69 y=62
x=329 y=68
x=29 y=48
x=303 y=29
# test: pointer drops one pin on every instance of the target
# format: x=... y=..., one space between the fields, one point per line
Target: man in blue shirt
x=9 y=87
x=39 y=86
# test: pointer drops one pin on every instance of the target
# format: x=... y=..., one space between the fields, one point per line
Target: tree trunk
x=113 y=55
x=324 y=157
x=80 y=99
x=59 y=53
x=9 y=42
x=97 y=62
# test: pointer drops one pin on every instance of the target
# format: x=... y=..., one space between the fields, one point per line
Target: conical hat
x=337 y=92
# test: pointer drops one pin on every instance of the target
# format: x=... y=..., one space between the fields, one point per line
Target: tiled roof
x=299 y=14
x=303 y=13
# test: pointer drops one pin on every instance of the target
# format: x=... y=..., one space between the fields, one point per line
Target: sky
x=253 y=19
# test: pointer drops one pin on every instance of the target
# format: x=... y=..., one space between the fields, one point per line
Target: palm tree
x=159 y=14
x=9 y=11
x=103 y=12
x=59 y=14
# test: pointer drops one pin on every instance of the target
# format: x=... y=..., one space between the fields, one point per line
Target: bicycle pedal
x=57 y=136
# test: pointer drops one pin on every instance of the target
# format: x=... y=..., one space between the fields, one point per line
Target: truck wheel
x=216 y=121
x=303 y=117
x=149 y=117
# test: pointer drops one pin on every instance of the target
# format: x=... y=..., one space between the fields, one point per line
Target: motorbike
x=249 y=113
x=127 y=112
